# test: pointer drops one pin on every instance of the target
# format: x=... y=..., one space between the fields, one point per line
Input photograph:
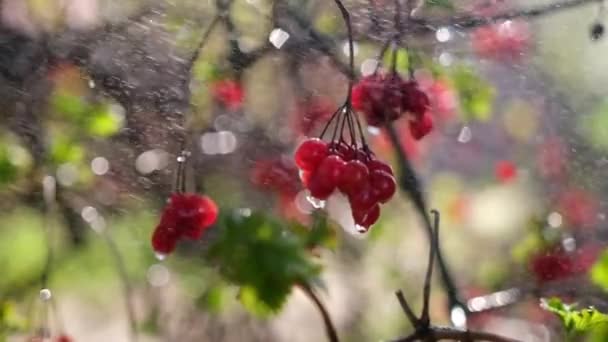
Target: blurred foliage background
x=98 y=97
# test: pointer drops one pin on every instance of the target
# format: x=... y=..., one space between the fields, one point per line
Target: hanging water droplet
x=360 y=229
x=91 y=84
x=181 y=159
x=315 y=202
x=45 y=295
x=160 y=256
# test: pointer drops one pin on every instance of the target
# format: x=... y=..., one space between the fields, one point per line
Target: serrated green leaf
x=264 y=258
x=476 y=95
x=575 y=321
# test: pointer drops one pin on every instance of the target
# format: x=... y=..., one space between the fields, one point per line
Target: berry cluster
x=185 y=215
x=384 y=98
x=338 y=166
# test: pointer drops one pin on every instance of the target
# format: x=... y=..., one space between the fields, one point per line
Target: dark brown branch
x=444 y=333
x=433 y=248
x=422 y=25
x=409 y=184
x=407 y=309
x=330 y=330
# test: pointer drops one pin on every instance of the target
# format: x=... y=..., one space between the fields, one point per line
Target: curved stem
x=330 y=330
x=409 y=184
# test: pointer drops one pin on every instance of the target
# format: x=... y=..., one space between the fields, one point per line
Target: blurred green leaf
x=264 y=258
x=10 y=321
x=402 y=62
x=66 y=150
x=71 y=106
x=213 y=299
x=8 y=171
x=594 y=127
x=439 y=3
x=574 y=321
x=476 y=95
x=599 y=271
x=102 y=122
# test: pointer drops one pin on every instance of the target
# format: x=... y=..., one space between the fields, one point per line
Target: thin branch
x=422 y=26
x=433 y=247
x=445 y=333
x=351 y=45
x=330 y=330
x=124 y=278
x=409 y=184
x=201 y=43
x=407 y=309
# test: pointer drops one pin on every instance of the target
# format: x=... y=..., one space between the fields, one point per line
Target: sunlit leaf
x=476 y=95
x=599 y=271
x=575 y=321
x=103 y=123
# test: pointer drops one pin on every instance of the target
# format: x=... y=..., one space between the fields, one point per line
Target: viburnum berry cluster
x=384 y=98
x=186 y=215
x=347 y=168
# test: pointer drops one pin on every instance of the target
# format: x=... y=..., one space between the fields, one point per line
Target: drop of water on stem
x=160 y=256
x=315 y=202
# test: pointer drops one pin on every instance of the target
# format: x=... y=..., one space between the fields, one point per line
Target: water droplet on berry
x=45 y=295
x=315 y=202
x=360 y=229
x=160 y=256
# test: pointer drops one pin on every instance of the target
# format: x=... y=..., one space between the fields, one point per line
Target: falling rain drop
x=45 y=295
x=465 y=135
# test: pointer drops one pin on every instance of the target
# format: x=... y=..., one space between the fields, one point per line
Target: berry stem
x=351 y=47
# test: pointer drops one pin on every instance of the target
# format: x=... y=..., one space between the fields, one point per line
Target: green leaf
x=575 y=321
x=8 y=171
x=65 y=150
x=439 y=3
x=402 y=62
x=264 y=258
x=102 y=122
x=71 y=106
x=599 y=271
x=213 y=299
x=594 y=127
x=476 y=95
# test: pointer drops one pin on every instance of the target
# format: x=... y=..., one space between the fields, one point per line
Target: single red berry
x=363 y=198
x=194 y=213
x=305 y=177
x=505 y=171
x=415 y=100
x=310 y=154
x=164 y=239
x=330 y=171
x=420 y=128
x=319 y=188
x=375 y=164
x=552 y=266
x=383 y=185
x=63 y=338
x=367 y=218
x=229 y=93
x=354 y=176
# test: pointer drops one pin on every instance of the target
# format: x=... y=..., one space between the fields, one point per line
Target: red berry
x=229 y=93
x=330 y=171
x=210 y=209
x=319 y=188
x=277 y=175
x=63 y=338
x=421 y=127
x=505 y=171
x=375 y=164
x=310 y=154
x=164 y=239
x=383 y=185
x=363 y=198
x=305 y=177
x=415 y=100
x=367 y=218
x=354 y=176
x=552 y=266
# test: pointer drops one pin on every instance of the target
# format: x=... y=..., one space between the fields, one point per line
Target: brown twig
x=423 y=330
x=330 y=329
